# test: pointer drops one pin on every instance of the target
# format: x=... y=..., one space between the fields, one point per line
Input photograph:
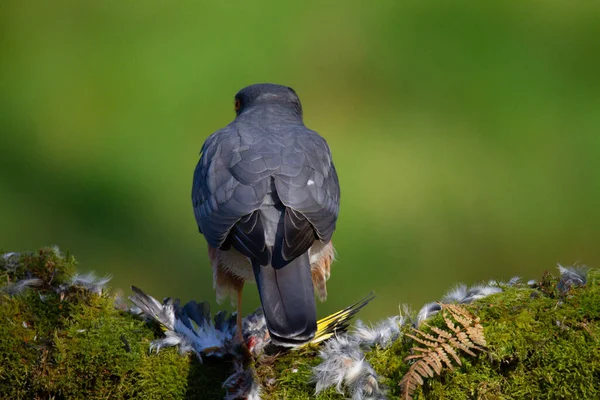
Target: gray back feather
x=238 y=163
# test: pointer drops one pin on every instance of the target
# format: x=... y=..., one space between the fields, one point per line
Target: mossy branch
x=64 y=338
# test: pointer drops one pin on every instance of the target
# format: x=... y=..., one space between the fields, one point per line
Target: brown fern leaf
x=409 y=384
x=476 y=334
x=449 y=323
x=460 y=344
x=472 y=326
x=462 y=331
x=434 y=361
x=457 y=310
x=443 y=353
x=464 y=339
x=426 y=343
x=452 y=351
x=427 y=339
x=424 y=369
x=440 y=332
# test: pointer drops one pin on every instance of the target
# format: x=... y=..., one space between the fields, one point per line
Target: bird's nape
x=267 y=94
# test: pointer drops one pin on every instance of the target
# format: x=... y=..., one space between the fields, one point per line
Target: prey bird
x=266 y=198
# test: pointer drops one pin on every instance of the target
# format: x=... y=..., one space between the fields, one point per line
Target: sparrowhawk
x=266 y=198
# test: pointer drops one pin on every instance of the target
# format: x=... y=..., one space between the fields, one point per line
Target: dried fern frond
x=469 y=322
x=462 y=332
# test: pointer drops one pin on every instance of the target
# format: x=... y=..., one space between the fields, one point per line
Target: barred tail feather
x=288 y=301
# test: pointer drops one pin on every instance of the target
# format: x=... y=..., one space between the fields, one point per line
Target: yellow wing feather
x=338 y=322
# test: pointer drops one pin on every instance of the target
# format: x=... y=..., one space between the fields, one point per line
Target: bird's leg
x=239 y=334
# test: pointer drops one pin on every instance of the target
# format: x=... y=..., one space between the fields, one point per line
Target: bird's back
x=253 y=165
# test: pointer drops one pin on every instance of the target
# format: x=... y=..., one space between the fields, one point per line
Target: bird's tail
x=288 y=301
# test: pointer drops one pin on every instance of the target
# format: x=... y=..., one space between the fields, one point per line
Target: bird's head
x=267 y=94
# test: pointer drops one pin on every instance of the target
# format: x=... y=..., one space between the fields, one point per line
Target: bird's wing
x=229 y=187
x=338 y=322
x=307 y=185
x=231 y=182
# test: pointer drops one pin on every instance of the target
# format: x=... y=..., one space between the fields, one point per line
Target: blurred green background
x=466 y=134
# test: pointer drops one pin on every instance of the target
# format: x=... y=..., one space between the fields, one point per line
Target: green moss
x=74 y=344
x=289 y=376
x=18 y=354
x=70 y=343
x=389 y=362
x=541 y=344
x=46 y=264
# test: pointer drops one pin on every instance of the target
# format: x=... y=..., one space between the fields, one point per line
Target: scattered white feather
x=344 y=366
x=135 y=310
x=339 y=356
x=91 y=282
x=56 y=250
x=363 y=382
x=120 y=302
x=256 y=333
x=427 y=311
x=383 y=334
x=512 y=282
x=172 y=339
x=572 y=277
x=242 y=383
x=10 y=255
x=479 y=292
x=14 y=289
x=11 y=261
x=462 y=294
x=515 y=280
x=254 y=323
x=456 y=294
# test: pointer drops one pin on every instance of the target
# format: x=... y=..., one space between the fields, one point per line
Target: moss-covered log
x=61 y=339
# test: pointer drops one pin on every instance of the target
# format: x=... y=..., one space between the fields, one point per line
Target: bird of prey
x=266 y=198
